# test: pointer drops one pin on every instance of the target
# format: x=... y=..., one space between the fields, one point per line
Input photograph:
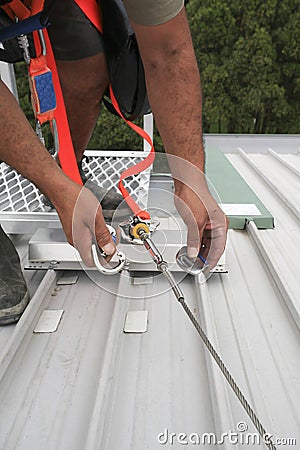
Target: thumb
x=103 y=236
x=88 y=226
x=193 y=241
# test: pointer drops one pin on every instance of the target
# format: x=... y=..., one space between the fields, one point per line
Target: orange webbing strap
x=66 y=152
x=36 y=6
x=92 y=11
x=136 y=168
x=38 y=65
x=67 y=159
x=16 y=9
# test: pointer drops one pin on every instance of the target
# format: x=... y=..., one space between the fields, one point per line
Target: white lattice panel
x=106 y=171
x=19 y=196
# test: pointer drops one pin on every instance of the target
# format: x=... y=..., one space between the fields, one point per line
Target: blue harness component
x=44 y=88
x=32 y=23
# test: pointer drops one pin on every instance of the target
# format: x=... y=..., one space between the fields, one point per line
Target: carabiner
x=190 y=265
x=107 y=269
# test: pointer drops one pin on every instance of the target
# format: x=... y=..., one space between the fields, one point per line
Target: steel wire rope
x=255 y=420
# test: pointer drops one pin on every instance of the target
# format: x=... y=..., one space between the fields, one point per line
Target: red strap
x=66 y=152
x=137 y=168
x=36 y=6
x=92 y=11
x=17 y=9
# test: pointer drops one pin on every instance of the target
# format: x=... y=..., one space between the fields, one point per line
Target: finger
x=194 y=239
x=215 y=244
x=84 y=245
x=102 y=235
x=194 y=231
x=89 y=226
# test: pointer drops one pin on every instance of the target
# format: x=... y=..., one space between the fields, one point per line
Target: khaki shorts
x=152 y=12
x=73 y=36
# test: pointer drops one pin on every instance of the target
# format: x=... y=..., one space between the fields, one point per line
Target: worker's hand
x=82 y=220
x=206 y=222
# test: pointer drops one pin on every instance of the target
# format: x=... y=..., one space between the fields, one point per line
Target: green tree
x=113 y=133
x=286 y=37
x=248 y=54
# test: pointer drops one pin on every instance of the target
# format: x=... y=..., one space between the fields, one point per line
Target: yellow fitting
x=139 y=226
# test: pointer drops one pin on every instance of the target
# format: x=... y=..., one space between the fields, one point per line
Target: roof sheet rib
x=90 y=386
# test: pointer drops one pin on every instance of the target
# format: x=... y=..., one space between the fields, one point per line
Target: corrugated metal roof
x=91 y=386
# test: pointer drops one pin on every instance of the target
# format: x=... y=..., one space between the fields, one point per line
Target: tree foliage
x=249 y=57
x=112 y=132
x=248 y=53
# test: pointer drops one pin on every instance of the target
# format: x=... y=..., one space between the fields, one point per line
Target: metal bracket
x=49 y=249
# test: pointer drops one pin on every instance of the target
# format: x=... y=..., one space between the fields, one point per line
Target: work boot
x=112 y=203
x=14 y=296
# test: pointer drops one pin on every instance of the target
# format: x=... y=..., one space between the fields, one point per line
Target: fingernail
x=109 y=248
x=192 y=252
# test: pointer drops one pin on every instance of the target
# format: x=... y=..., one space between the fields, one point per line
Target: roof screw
x=52 y=264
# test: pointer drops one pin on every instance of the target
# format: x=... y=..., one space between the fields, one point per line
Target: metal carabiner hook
x=190 y=265
x=107 y=269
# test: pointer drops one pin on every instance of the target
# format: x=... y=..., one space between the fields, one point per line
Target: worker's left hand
x=206 y=222
x=82 y=220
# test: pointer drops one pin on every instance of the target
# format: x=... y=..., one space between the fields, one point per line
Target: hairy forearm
x=177 y=107
x=174 y=89
x=175 y=96
x=21 y=149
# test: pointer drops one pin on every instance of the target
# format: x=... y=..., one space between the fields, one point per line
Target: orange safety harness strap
x=136 y=168
x=41 y=65
x=92 y=11
x=16 y=9
x=66 y=152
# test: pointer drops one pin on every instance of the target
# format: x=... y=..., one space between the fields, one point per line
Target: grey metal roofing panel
x=279 y=247
x=91 y=386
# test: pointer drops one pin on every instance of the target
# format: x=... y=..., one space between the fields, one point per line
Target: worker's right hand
x=81 y=216
x=207 y=224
